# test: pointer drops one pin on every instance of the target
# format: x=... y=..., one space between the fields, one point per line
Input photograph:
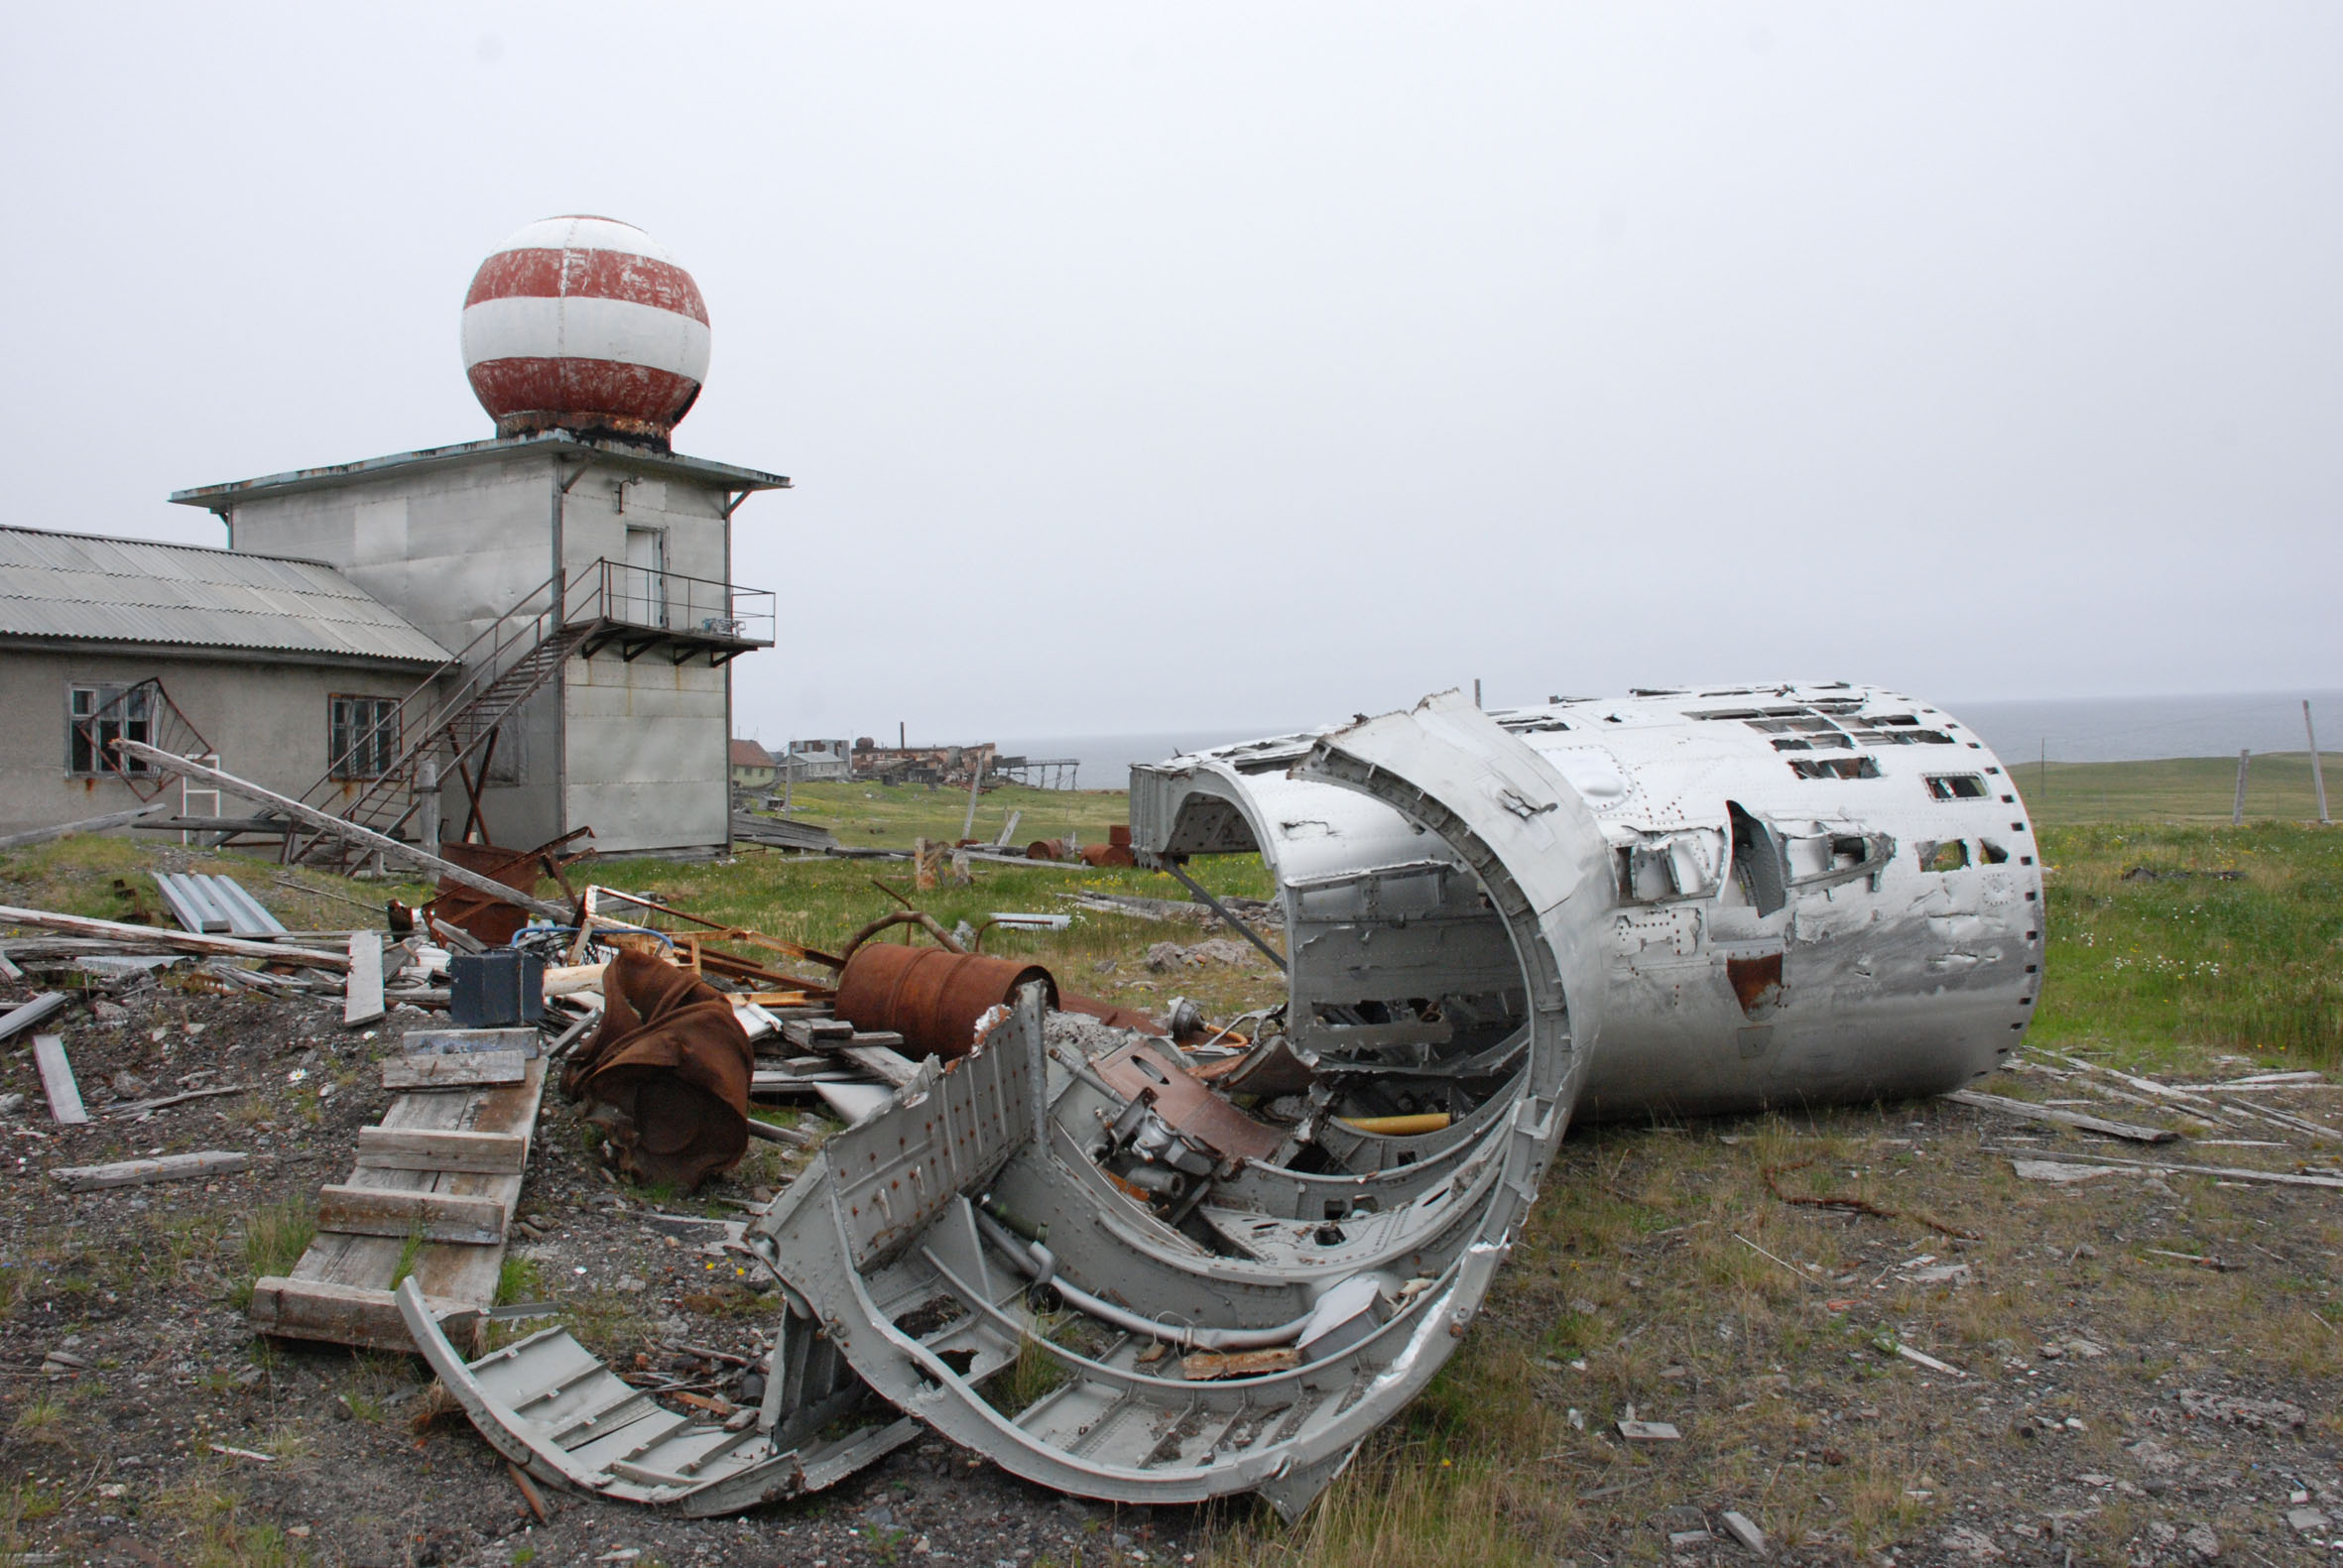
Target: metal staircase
x=504 y=667
x=453 y=715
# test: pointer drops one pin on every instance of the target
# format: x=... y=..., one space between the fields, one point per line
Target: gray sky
x=1236 y=364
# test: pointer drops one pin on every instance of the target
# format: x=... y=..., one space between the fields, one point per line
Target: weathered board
x=362 y=996
x=460 y=1070
x=136 y=1172
x=412 y=1149
x=340 y=1290
x=57 y=1077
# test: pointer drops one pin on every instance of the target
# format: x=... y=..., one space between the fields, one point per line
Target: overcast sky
x=1166 y=366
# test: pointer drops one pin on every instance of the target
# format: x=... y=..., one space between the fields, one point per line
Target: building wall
x=647 y=753
x=265 y=719
x=638 y=751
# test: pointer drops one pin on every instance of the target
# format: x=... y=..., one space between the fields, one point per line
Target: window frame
x=137 y=727
x=382 y=729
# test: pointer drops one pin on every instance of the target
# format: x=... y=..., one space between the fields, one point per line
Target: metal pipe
x=1040 y=1264
x=1181 y=875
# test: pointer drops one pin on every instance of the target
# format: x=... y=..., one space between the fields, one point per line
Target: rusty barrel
x=1107 y=855
x=1046 y=849
x=929 y=997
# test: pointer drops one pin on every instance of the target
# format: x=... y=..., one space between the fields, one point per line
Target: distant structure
x=1041 y=773
x=578 y=568
x=753 y=767
x=938 y=764
x=809 y=761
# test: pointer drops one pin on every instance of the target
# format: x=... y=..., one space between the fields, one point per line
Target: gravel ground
x=142 y=1421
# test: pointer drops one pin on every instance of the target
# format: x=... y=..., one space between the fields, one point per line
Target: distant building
x=753 y=767
x=921 y=763
x=808 y=761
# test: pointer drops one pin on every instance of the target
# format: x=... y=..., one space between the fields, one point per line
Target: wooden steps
x=441 y=1175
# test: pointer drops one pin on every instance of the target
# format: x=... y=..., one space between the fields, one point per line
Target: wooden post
x=975 y=778
x=2318 y=779
x=427 y=809
x=2237 y=813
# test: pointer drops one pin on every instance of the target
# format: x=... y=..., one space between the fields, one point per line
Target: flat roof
x=89 y=587
x=559 y=443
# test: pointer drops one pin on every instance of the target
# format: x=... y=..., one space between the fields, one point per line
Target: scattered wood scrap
x=25 y=1014
x=140 y=1107
x=362 y=995
x=2283 y=1178
x=56 y=1078
x=454 y=1069
x=138 y=1172
x=2043 y=1113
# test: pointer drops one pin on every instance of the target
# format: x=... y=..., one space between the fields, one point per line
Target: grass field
x=873 y=816
x=2174 y=789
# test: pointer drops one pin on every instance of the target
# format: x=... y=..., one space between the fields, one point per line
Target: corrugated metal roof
x=128 y=590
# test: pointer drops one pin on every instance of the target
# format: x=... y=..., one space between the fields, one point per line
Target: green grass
x=2173 y=789
x=2247 y=963
x=873 y=816
x=275 y=1237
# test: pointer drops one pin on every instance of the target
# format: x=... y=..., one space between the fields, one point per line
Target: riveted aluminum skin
x=1818 y=894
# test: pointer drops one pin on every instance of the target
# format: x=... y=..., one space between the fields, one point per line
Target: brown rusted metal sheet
x=1755 y=982
x=929 y=997
x=666 y=1076
x=1150 y=1071
x=522 y=870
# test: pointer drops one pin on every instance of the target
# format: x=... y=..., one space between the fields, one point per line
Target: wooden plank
x=434 y=1216
x=2041 y=1113
x=93 y=824
x=879 y=1060
x=138 y=1172
x=408 y=1148
x=23 y=1016
x=56 y=1076
x=147 y=938
x=348 y=1314
x=362 y=994
x=456 y=1070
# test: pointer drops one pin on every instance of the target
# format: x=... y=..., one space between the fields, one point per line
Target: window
x=1957 y=787
x=364 y=736
x=1836 y=768
x=98 y=716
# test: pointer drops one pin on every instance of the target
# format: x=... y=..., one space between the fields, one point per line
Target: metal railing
x=656 y=599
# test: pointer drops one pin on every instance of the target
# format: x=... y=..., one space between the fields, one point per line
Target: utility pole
x=2042 y=781
x=1476 y=691
x=2237 y=813
x=2318 y=779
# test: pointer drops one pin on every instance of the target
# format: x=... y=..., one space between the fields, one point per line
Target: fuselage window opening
x=1957 y=787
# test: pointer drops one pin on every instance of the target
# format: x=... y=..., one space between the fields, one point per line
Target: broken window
x=1957 y=787
x=1994 y=854
x=98 y=716
x=1951 y=855
x=1834 y=768
x=1759 y=860
x=363 y=736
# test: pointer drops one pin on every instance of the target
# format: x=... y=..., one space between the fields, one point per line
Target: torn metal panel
x=1308 y=1305
x=549 y=1405
x=1778 y=933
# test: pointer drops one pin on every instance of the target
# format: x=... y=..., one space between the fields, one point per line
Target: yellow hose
x=1399 y=1125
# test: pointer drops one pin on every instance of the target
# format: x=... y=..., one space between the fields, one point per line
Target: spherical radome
x=584 y=325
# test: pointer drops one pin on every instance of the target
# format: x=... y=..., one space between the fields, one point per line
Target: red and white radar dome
x=584 y=325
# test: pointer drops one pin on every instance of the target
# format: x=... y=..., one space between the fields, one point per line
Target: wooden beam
x=329 y=823
x=362 y=996
x=454 y=1069
x=154 y=936
x=94 y=824
x=2043 y=1113
x=416 y=1148
x=138 y=1172
x=56 y=1076
x=348 y=1314
x=387 y=1211
x=25 y=1015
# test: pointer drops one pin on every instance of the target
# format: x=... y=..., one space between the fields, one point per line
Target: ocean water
x=2072 y=729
